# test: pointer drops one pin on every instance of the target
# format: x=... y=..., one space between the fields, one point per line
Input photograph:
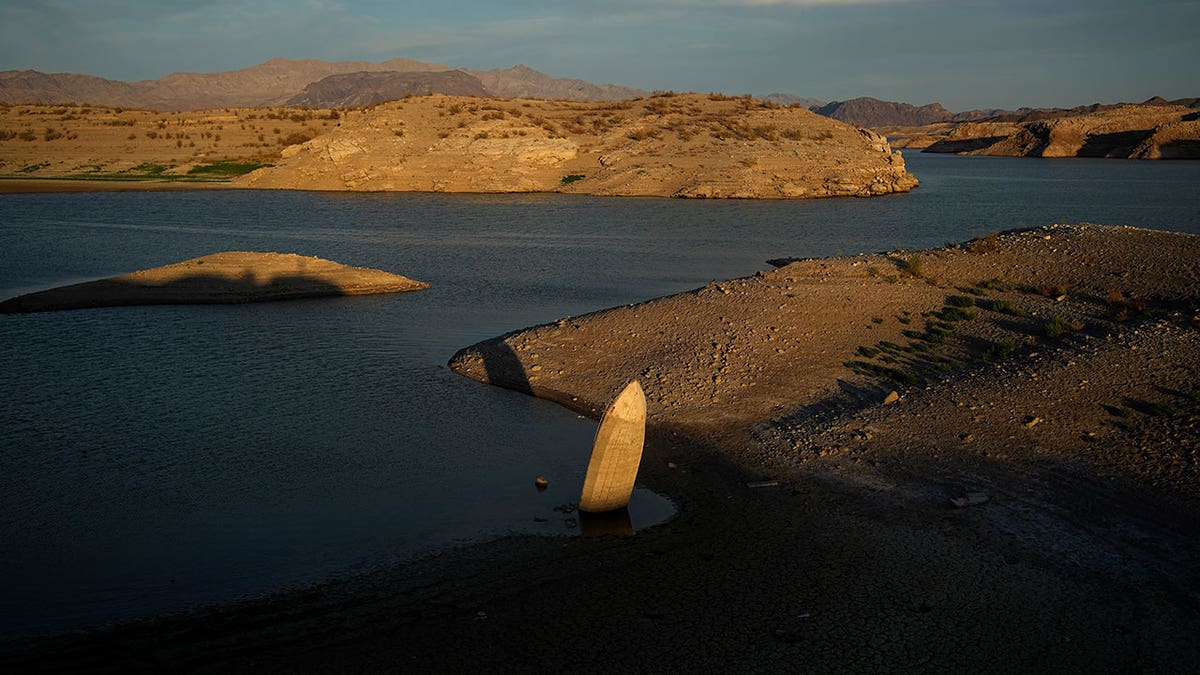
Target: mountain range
x=324 y=84
x=281 y=81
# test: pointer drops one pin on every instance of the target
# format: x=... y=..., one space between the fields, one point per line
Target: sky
x=964 y=54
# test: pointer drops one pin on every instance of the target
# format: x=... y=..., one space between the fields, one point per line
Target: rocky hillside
x=670 y=145
x=355 y=90
x=525 y=82
x=273 y=83
x=871 y=112
x=1133 y=132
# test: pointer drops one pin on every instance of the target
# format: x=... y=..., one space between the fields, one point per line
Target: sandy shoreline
x=54 y=185
x=1084 y=445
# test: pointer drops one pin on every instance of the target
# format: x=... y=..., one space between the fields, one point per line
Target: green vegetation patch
x=1002 y=307
x=571 y=178
x=223 y=170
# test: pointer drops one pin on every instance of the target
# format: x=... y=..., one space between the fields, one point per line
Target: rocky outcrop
x=221 y=278
x=355 y=90
x=671 y=146
x=1138 y=132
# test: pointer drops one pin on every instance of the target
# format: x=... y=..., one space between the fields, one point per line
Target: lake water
x=156 y=458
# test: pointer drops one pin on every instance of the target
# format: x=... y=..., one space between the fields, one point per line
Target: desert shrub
x=1002 y=307
x=958 y=314
x=766 y=132
x=999 y=350
x=571 y=178
x=1055 y=328
x=481 y=135
x=1052 y=291
x=295 y=137
x=960 y=301
x=6 y=135
x=52 y=134
x=986 y=244
x=643 y=134
x=914 y=266
x=748 y=162
x=895 y=374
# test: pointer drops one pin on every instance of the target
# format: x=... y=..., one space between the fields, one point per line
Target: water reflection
x=616 y=522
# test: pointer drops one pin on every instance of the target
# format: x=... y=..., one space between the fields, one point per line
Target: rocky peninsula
x=1123 y=132
x=705 y=146
x=221 y=278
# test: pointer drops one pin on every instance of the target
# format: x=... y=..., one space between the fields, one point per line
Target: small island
x=221 y=278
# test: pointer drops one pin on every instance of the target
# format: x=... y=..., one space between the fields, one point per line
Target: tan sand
x=65 y=141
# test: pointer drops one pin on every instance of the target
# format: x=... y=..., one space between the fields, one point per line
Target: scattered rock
x=970 y=499
x=541 y=483
x=891 y=398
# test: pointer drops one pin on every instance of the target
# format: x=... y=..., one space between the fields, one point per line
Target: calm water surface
x=155 y=458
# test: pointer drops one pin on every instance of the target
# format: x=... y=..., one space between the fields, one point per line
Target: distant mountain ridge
x=355 y=90
x=874 y=113
x=792 y=99
x=278 y=81
x=267 y=84
x=521 y=81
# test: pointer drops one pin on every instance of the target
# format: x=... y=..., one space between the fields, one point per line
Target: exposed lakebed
x=159 y=457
